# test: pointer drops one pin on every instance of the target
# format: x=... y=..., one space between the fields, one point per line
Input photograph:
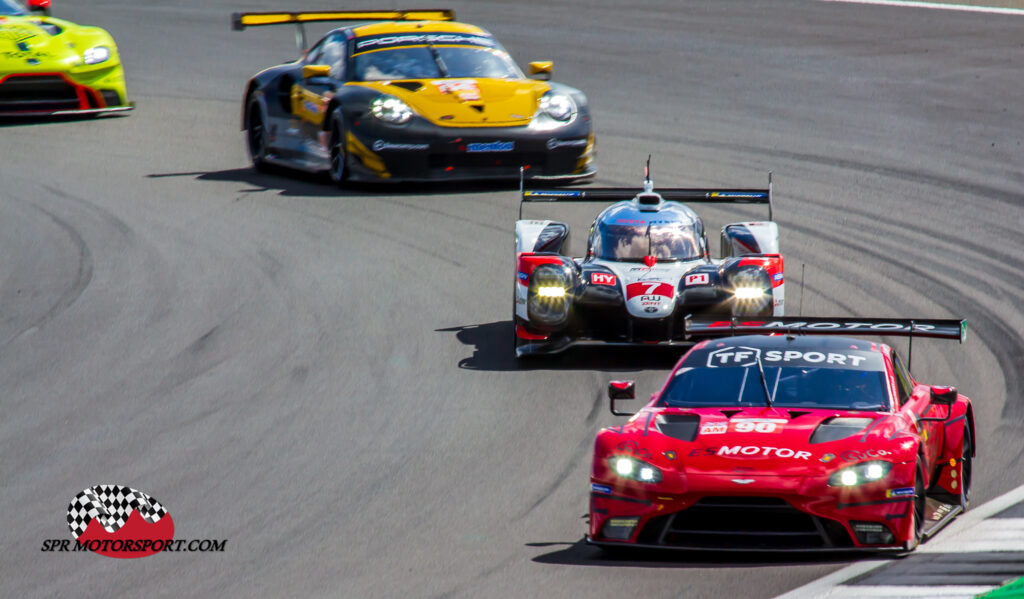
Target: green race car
x=49 y=66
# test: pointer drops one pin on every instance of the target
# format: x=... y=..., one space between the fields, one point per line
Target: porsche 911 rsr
x=411 y=95
x=647 y=266
x=50 y=66
x=789 y=442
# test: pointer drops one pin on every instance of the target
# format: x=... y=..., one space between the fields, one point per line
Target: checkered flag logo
x=112 y=504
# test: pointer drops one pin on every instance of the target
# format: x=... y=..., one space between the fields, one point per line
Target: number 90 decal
x=757 y=425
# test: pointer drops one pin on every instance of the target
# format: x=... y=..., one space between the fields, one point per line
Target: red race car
x=791 y=441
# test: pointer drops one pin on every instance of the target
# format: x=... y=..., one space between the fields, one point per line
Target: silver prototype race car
x=646 y=268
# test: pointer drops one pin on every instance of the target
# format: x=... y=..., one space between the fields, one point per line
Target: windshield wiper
x=438 y=60
x=764 y=383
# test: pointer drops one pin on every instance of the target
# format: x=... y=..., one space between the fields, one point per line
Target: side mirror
x=944 y=396
x=42 y=6
x=940 y=396
x=316 y=70
x=620 y=390
x=541 y=70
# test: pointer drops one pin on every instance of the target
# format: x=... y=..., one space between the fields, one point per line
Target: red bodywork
x=751 y=479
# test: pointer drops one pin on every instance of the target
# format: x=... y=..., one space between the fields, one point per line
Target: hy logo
x=124 y=517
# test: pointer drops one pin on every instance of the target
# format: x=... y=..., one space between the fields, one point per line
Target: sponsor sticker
x=757 y=425
x=380 y=144
x=700 y=278
x=553 y=193
x=828 y=457
x=714 y=428
x=466 y=89
x=746 y=356
x=421 y=39
x=777 y=277
x=554 y=144
x=649 y=288
x=522 y=276
x=601 y=278
x=857 y=455
x=750 y=451
x=602 y=489
x=733 y=356
x=902 y=492
x=492 y=146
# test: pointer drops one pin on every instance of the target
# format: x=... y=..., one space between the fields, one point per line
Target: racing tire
x=918 y=510
x=338 y=170
x=256 y=136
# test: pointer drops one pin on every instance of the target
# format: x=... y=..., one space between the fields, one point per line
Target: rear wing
x=900 y=327
x=618 y=194
x=241 y=20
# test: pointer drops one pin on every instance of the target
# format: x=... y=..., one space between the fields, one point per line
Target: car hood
x=467 y=102
x=44 y=44
x=759 y=441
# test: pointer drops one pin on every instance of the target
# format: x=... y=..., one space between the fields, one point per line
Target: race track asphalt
x=323 y=378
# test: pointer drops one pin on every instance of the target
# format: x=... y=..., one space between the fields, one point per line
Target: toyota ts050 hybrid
x=50 y=66
x=788 y=442
x=646 y=267
x=410 y=95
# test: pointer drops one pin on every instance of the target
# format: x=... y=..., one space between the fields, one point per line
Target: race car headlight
x=634 y=469
x=547 y=300
x=751 y=291
x=748 y=293
x=391 y=110
x=96 y=55
x=865 y=472
x=560 y=107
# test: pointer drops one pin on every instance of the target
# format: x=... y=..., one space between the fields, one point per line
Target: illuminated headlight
x=551 y=291
x=560 y=107
x=751 y=291
x=548 y=296
x=96 y=55
x=865 y=472
x=634 y=469
x=748 y=293
x=391 y=110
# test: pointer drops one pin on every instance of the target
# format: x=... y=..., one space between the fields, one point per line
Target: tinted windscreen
x=432 y=62
x=790 y=386
x=632 y=242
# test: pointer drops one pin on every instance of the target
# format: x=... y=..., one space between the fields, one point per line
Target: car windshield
x=790 y=386
x=10 y=7
x=629 y=242
x=434 y=62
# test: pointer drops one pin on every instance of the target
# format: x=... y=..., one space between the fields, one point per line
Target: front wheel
x=339 y=160
x=257 y=137
x=918 y=513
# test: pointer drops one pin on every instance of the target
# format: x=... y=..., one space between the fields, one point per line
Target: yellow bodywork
x=469 y=102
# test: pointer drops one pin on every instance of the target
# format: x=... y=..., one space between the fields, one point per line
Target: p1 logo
x=120 y=522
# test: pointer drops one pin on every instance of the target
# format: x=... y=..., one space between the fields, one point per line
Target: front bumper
x=421 y=151
x=779 y=518
x=57 y=94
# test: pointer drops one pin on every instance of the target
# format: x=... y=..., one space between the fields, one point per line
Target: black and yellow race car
x=411 y=95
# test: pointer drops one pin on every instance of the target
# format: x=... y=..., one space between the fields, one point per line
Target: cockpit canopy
x=625 y=234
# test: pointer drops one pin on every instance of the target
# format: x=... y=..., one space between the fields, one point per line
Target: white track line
x=902 y=592
x=938 y=6
x=953 y=539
